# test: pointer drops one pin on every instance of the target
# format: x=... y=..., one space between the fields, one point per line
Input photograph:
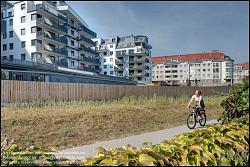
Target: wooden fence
x=24 y=91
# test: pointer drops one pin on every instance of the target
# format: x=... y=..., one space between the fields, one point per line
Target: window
x=4 y=35
x=118 y=52
x=105 y=73
x=72 y=63
x=105 y=66
x=10 y=34
x=111 y=66
x=11 y=46
x=33 y=29
x=23 y=6
x=110 y=46
x=23 y=31
x=104 y=60
x=9 y=14
x=104 y=53
x=111 y=59
x=111 y=53
x=204 y=70
x=180 y=70
x=11 y=57
x=208 y=69
x=111 y=72
x=33 y=16
x=22 y=19
x=113 y=39
x=22 y=57
x=124 y=52
x=10 y=22
x=23 y=44
x=4 y=47
x=33 y=42
x=72 y=53
x=72 y=32
x=72 y=43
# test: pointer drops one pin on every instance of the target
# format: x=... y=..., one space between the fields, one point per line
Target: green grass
x=77 y=123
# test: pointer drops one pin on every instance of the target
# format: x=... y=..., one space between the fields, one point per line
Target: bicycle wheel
x=203 y=120
x=191 y=121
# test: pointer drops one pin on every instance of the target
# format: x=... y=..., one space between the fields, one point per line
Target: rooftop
x=190 y=57
x=243 y=65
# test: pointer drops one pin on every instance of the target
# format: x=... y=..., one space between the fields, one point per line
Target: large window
x=10 y=22
x=72 y=53
x=11 y=46
x=33 y=42
x=23 y=31
x=22 y=19
x=10 y=14
x=11 y=34
x=131 y=51
x=111 y=59
x=111 y=53
x=33 y=29
x=4 y=47
x=22 y=57
x=23 y=6
x=105 y=66
x=23 y=44
x=72 y=63
x=33 y=16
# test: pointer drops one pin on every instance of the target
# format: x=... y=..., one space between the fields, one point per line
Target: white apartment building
x=202 y=69
x=240 y=71
x=48 y=32
x=128 y=57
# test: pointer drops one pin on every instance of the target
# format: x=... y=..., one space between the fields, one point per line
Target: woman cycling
x=198 y=100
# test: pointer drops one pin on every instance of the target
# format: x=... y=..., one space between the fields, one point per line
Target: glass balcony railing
x=83 y=48
x=91 y=60
x=85 y=29
x=51 y=11
x=52 y=24
x=53 y=37
x=62 y=51
x=83 y=38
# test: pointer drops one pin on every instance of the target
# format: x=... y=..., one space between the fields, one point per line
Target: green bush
x=237 y=104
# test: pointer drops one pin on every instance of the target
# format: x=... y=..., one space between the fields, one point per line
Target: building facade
x=201 y=69
x=240 y=71
x=48 y=41
x=128 y=57
x=48 y=32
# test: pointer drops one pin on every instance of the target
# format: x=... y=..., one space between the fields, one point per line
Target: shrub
x=237 y=104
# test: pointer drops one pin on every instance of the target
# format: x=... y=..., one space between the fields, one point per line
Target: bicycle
x=192 y=117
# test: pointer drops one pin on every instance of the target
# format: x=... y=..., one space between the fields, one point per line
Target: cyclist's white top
x=197 y=100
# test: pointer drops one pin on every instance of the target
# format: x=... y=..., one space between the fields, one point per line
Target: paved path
x=156 y=137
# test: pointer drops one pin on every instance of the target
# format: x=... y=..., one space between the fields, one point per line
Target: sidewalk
x=156 y=137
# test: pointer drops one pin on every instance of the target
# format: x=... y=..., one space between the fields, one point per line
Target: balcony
x=119 y=61
x=87 y=41
x=86 y=31
x=51 y=24
x=90 y=60
x=58 y=51
x=45 y=9
x=57 y=38
x=88 y=50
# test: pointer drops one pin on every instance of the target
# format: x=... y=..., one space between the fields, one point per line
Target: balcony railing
x=43 y=7
x=53 y=37
x=85 y=29
x=83 y=48
x=51 y=24
x=83 y=38
x=119 y=61
x=91 y=60
x=62 y=51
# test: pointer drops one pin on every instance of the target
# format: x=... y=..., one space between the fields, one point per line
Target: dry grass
x=67 y=125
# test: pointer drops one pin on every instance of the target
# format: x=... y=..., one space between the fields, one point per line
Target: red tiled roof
x=189 y=57
x=243 y=65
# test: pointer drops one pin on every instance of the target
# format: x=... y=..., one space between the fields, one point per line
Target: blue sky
x=174 y=27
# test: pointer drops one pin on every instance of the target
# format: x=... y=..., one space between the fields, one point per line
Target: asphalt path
x=155 y=137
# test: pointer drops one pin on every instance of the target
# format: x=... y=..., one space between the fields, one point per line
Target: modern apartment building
x=126 y=57
x=201 y=69
x=49 y=33
x=240 y=71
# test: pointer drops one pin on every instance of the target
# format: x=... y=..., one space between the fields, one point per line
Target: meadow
x=64 y=125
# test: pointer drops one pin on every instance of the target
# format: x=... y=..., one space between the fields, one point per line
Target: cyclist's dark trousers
x=197 y=111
